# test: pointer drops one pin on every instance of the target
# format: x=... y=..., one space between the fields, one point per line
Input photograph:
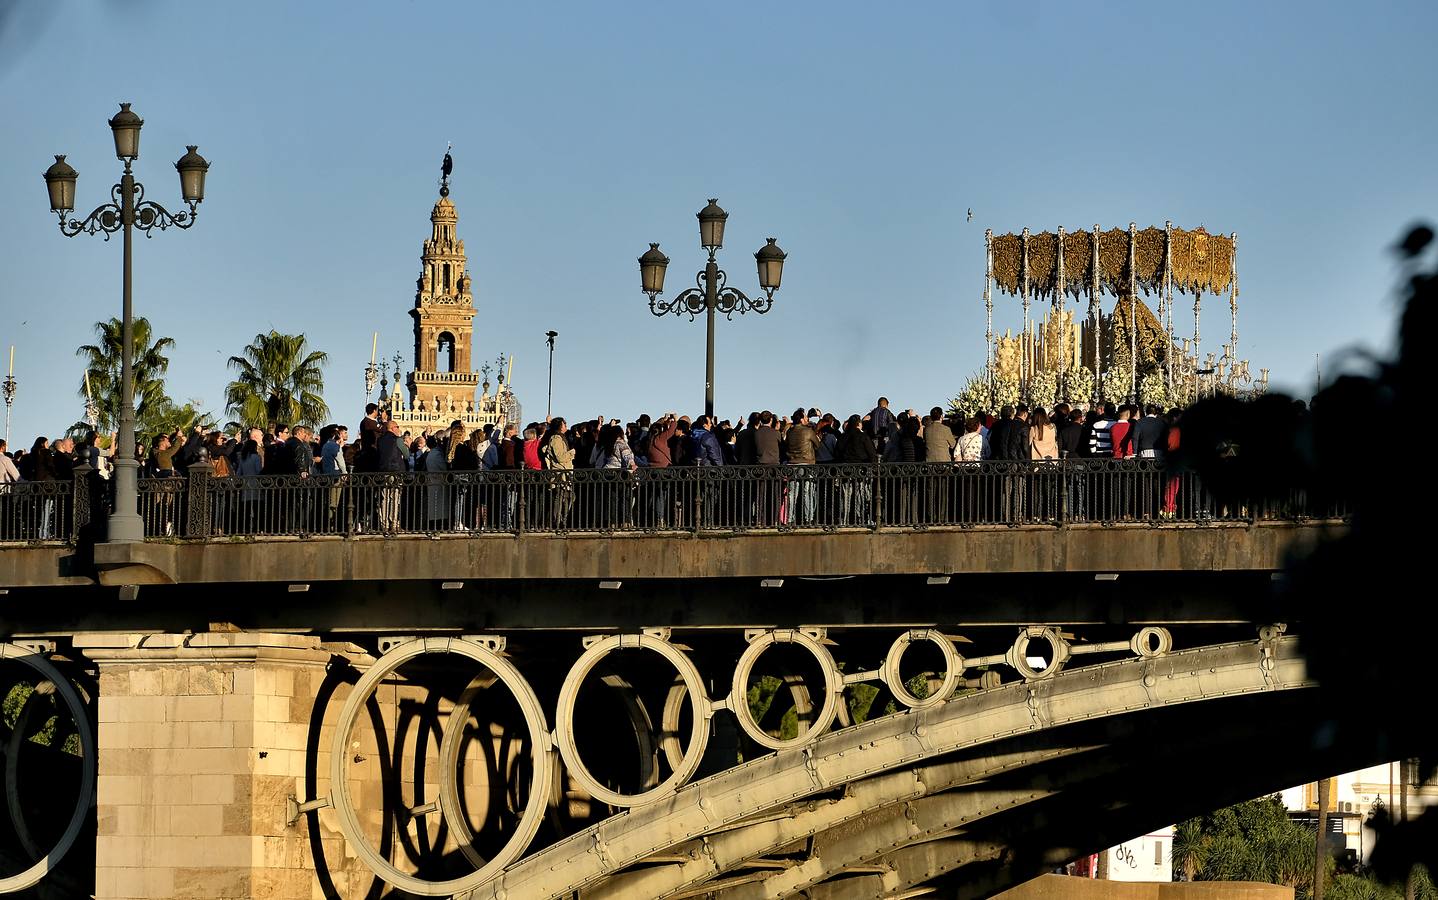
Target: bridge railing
x=37 y=512
x=728 y=499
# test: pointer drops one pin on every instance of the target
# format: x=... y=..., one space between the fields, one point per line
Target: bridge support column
x=202 y=738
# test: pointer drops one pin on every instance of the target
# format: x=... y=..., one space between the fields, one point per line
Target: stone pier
x=202 y=739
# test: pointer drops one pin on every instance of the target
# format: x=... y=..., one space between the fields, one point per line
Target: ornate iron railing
x=728 y=499
x=37 y=512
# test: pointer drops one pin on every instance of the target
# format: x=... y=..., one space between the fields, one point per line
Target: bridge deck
x=754 y=554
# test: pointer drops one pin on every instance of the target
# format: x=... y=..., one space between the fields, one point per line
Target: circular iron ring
x=953 y=668
x=47 y=671
x=569 y=695
x=739 y=691
x=542 y=774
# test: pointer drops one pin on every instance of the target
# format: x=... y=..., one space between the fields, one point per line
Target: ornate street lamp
x=7 y=387
x=127 y=211
x=549 y=337
x=710 y=293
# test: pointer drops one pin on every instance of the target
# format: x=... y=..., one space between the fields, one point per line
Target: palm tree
x=279 y=380
x=103 y=364
x=168 y=416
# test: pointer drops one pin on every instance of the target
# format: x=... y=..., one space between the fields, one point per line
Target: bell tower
x=443 y=311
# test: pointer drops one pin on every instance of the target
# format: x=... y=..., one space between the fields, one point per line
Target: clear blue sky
x=858 y=134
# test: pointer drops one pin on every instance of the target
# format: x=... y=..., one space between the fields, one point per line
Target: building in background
x=1352 y=798
x=443 y=383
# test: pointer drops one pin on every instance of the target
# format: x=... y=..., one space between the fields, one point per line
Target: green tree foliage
x=103 y=363
x=1252 y=841
x=1257 y=841
x=165 y=417
x=278 y=379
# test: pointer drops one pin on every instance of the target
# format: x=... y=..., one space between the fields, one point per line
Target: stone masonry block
x=123 y=761
x=114 y=735
x=197 y=819
x=171 y=790
x=214 y=788
x=291 y=736
x=203 y=708
x=134 y=820
x=119 y=850
x=210 y=680
x=129 y=882
x=212 y=734
x=121 y=789
x=212 y=883
x=145 y=682
x=238 y=708
x=243 y=680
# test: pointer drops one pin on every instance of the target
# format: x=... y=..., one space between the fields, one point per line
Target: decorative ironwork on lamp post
x=711 y=294
x=394 y=397
x=371 y=371
x=7 y=387
x=127 y=210
x=549 y=337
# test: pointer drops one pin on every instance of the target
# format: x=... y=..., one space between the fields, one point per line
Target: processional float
x=1057 y=265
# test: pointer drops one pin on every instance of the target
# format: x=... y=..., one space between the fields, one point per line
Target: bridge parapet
x=695 y=500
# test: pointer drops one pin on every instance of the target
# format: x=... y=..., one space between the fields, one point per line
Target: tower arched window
x=446 y=278
x=444 y=352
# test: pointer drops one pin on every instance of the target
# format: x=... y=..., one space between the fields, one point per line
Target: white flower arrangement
x=1116 y=384
x=1043 y=387
x=1152 y=389
x=1078 y=385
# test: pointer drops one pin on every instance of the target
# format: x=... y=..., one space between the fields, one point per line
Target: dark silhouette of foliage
x=1361 y=593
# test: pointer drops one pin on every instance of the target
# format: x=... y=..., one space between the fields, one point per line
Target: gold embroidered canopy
x=1196 y=260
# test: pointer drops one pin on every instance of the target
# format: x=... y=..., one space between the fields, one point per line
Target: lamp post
x=8 y=388
x=127 y=210
x=549 y=337
x=710 y=293
x=371 y=371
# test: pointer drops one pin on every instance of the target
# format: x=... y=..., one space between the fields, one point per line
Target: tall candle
x=374 y=345
x=87 y=384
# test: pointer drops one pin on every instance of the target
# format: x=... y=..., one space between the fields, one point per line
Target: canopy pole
x=1026 y=342
x=1059 y=302
x=1095 y=311
x=1233 y=294
x=989 y=309
x=1168 y=300
x=1132 y=315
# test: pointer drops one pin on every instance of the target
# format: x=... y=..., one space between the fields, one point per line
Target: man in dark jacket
x=1016 y=451
x=1016 y=438
x=882 y=422
x=1071 y=436
x=1147 y=435
x=744 y=447
x=1073 y=446
x=998 y=434
x=302 y=452
x=704 y=446
x=390 y=460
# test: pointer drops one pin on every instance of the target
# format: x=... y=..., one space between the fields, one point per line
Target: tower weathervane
x=445 y=168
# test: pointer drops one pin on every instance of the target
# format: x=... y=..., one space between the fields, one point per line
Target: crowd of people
x=807 y=437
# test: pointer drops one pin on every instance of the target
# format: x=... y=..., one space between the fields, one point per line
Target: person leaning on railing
x=855 y=448
x=559 y=458
x=334 y=467
x=391 y=463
